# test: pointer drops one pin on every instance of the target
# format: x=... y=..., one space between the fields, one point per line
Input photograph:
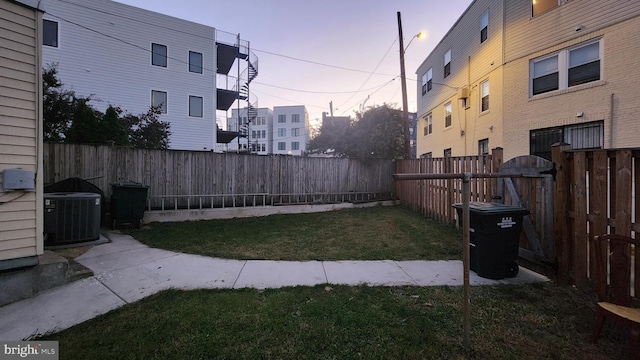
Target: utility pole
x=403 y=80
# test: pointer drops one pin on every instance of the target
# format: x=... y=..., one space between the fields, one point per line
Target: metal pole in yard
x=466 y=320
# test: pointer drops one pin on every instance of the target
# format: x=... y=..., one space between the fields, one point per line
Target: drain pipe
x=611 y=121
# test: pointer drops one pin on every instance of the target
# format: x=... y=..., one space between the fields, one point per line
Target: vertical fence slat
x=580 y=219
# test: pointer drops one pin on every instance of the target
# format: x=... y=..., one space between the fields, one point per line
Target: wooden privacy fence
x=176 y=178
x=433 y=198
x=594 y=194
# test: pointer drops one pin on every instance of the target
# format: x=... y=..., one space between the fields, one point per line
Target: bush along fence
x=192 y=179
x=594 y=194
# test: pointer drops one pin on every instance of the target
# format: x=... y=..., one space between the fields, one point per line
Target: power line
x=371 y=73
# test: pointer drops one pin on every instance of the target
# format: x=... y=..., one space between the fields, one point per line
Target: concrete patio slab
x=123 y=259
x=117 y=243
x=372 y=273
x=56 y=309
x=263 y=274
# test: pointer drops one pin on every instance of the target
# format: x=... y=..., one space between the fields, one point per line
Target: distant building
x=413 y=123
x=256 y=136
x=291 y=131
x=535 y=73
x=134 y=58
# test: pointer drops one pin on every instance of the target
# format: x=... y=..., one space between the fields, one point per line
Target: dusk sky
x=353 y=34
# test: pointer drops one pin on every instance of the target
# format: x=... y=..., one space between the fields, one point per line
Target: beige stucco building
x=21 y=186
x=526 y=74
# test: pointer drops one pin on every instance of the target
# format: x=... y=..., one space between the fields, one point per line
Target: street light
x=403 y=79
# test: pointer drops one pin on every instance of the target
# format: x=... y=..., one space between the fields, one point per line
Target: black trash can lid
x=129 y=184
x=489 y=208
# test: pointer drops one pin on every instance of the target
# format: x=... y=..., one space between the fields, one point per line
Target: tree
x=146 y=131
x=70 y=118
x=375 y=133
x=58 y=106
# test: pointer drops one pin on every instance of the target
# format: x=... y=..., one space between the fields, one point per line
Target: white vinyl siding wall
x=117 y=69
x=20 y=127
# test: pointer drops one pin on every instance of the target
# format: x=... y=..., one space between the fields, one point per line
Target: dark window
x=159 y=99
x=584 y=64
x=426 y=155
x=195 y=62
x=545 y=75
x=485 y=95
x=579 y=136
x=50 y=33
x=484 y=26
x=429 y=85
x=282 y=146
x=295 y=145
x=447 y=115
x=447 y=152
x=545 y=83
x=158 y=55
x=483 y=147
x=447 y=63
x=195 y=106
x=282 y=119
x=295 y=118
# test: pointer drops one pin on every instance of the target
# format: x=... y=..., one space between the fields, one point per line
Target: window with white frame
x=484 y=26
x=158 y=55
x=195 y=106
x=484 y=93
x=295 y=118
x=447 y=115
x=282 y=132
x=282 y=118
x=427 y=81
x=159 y=100
x=49 y=33
x=195 y=62
x=428 y=124
x=566 y=68
x=447 y=63
x=295 y=132
x=282 y=145
x=295 y=145
x=540 y=6
x=253 y=134
x=264 y=134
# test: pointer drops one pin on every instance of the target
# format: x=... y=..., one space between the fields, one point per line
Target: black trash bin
x=128 y=201
x=494 y=239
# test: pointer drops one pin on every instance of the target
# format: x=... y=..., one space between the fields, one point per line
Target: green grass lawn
x=535 y=321
x=377 y=233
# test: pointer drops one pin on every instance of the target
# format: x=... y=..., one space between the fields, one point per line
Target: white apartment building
x=134 y=58
x=284 y=130
x=291 y=131
x=256 y=134
x=523 y=75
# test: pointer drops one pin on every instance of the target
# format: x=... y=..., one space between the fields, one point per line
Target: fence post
x=497 y=158
x=560 y=198
x=580 y=241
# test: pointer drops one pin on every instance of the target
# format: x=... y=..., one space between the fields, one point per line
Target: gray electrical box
x=18 y=179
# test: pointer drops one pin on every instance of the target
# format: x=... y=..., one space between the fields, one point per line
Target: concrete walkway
x=126 y=271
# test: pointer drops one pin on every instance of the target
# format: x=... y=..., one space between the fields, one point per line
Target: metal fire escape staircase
x=229 y=88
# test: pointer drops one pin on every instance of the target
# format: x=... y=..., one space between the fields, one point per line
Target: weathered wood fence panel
x=595 y=194
x=190 y=173
x=434 y=198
